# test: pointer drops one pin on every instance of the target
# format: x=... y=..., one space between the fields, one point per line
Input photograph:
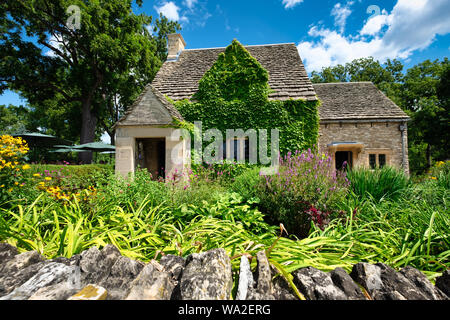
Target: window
x=373 y=161
x=239 y=146
x=377 y=160
x=381 y=160
x=247 y=150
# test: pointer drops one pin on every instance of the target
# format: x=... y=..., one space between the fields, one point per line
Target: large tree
x=83 y=77
x=14 y=119
x=424 y=96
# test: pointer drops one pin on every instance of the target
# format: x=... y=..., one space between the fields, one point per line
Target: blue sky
x=326 y=32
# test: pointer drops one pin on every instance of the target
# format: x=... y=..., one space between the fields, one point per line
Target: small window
x=373 y=161
x=236 y=145
x=381 y=160
x=247 y=150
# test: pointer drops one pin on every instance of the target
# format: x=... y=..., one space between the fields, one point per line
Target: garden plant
x=325 y=219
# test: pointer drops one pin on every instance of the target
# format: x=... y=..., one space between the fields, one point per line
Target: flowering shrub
x=61 y=192
x=306 y=188
x=440 y=173
x=12 y=166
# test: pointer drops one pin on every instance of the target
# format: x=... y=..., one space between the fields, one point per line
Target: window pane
x=373 y=160
x=382 y=160
x=247 y=150
x=236 y=149
x=224 y=150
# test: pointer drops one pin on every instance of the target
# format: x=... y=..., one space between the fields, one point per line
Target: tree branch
x=58 y=52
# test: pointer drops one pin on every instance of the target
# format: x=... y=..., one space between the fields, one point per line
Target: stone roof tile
x=150 y=108
x=287 y=75
x=355 y=101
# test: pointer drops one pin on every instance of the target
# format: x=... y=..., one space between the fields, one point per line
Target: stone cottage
x=359 y=125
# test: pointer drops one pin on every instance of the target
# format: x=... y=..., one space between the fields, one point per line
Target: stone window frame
x=377 y=152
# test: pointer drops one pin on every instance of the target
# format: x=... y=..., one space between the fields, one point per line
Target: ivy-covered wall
x=233 y=94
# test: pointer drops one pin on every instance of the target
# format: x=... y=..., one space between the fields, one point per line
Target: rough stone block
x=207 y=276
x=443 y=282
x=50 y=274
x=343 y=281
x=317 y=285
x=152 y=283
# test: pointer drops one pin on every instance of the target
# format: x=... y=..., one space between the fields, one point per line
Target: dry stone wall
x=105 y=274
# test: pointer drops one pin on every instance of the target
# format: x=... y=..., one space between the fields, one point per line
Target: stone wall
x=105 y=274
x=377 y=137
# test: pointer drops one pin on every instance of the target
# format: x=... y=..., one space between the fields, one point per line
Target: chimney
x=176 y=45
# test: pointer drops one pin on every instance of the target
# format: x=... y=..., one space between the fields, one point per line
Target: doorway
x=151 y=154
x=344 y=157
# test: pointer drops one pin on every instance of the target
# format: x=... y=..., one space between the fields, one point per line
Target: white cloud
x=341 y=13
x=105 y=138
x=170 y=10
x=412 y=25
x=190 y=3
x=375 y=24
x=291 y=3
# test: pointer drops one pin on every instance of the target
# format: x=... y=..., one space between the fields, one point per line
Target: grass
x=384 y=183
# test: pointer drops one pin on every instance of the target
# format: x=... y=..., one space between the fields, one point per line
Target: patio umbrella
x=62 y=150
x=95 y=147
x=35 y=139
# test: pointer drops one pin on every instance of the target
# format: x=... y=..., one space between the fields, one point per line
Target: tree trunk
x=88 y=126
x=112 y=135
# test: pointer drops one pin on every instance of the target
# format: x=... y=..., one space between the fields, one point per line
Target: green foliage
x=224 y=173
x=195 y=192
x=410 y=231
x=236 y=75
x=231 y=207
x=129 y=192
x=246 y=184
x=92 y=74
x=440 y=173
x=82 y=176
x=379 y=184
x=13 y=119
x=426 y=101
x=233 y=95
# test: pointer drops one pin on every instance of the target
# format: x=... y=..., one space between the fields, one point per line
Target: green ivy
x=233 y=94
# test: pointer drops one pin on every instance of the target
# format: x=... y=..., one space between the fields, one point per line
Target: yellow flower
x=26 y=167
x=2 y=186
x=16 y=183
x=38 y=175
x=48 y=178
x=434 y=178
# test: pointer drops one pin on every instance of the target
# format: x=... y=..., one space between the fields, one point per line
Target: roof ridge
x=350 y=82
x=171 y=109
x=253 y=45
